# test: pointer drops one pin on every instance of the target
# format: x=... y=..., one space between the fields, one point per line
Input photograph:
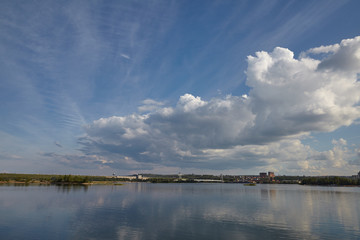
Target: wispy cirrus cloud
x=56 y=57
x=125 y=56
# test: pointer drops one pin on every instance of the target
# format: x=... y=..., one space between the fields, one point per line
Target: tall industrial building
x=263 y=175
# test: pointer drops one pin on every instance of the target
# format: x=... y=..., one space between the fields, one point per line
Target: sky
x=218 y=87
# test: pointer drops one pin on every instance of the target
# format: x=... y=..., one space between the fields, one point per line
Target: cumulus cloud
x=179 y=133
x=345 y=59
x=291 y=96
x=288 y=98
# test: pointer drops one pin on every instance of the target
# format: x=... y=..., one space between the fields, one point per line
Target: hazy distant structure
x=263 y=175
x=132 y=177
x=267 y=176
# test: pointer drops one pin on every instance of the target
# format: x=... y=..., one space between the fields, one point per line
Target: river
x=179 y=211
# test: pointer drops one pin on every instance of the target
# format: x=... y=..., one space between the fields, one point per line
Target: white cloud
x=152 y=102
x=150 y=105
x=324 y=49
x=300 y=95
x=190 y=103
x=125 y=56
x=340 y=142
x=346 y=59
x=289 y=98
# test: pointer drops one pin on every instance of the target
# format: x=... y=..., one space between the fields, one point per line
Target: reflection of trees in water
x=320 y=211
x=339 y=204
x=71 y=187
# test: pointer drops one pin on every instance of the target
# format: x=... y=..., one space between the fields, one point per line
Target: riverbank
x=36 y=183
x=47 y=179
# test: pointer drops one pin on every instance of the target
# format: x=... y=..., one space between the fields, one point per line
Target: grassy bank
x=15 y=178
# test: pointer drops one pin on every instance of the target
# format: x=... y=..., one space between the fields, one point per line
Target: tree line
x=50 y=179
x=338 y=181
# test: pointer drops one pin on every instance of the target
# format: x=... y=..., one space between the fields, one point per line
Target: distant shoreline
x=119 y=183
x=36 y=183
x=47 y=179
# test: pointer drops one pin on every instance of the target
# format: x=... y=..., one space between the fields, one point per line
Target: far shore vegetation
x=54 y=179
x=47 y=179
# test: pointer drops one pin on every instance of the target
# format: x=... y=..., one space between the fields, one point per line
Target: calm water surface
x=179 y=211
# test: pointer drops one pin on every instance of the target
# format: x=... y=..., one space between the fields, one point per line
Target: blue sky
x=232 y=87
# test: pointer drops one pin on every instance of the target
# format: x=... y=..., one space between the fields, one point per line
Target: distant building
x=133 y=177
x=356 y=176
x=271 y=174
x=263 y=175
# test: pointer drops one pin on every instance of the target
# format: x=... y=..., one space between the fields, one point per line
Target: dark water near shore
x=179 y=211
